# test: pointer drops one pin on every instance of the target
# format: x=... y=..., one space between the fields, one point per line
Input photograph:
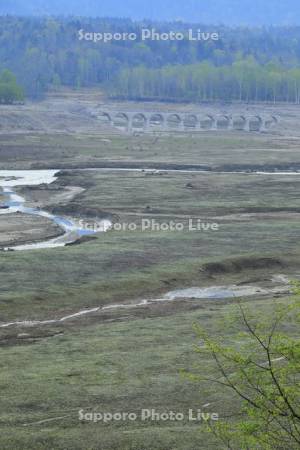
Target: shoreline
x=17 y=233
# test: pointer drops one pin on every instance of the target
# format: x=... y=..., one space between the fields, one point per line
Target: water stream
x=194 y=293
x=72 y=231
x=15 y=203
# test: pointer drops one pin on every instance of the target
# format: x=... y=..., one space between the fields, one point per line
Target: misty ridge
x=230 y=12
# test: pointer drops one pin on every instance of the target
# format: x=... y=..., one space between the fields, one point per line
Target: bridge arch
x=156 y=120
x=270 y=122
x=222 y=122
x=255 y=123
x=174 y=120
x=105 y=117
x=139 y=120
x=239 y=123
x=190 y=121
x=121 y=119
x=207 y=122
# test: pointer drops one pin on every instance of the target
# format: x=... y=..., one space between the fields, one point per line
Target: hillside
x=231 y=12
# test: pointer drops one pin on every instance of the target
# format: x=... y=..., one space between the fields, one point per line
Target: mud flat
x=19 y=229
x=194 y=293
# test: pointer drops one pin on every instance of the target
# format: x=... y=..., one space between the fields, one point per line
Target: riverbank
x=21 y=229
x=70 y=232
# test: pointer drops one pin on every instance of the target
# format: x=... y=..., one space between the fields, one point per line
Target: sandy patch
x=17 y=229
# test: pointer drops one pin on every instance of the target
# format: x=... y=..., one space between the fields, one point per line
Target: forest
x=245 y=64
x=244 y=81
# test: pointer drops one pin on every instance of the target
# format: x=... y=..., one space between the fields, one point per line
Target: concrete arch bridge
x=158 y=121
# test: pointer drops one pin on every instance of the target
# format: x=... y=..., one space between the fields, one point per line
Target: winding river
x=15 y=203
x=9 y=179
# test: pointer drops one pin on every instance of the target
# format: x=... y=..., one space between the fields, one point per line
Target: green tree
x=10 y=91
x=262 y=369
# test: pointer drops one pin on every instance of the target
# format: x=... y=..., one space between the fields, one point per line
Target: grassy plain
x=232 y=149
x=114 y=367
x=129 y=359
